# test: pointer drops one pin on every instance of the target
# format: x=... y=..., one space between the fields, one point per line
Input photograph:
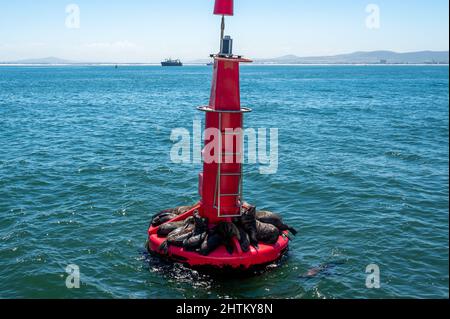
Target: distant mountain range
x=49 y=60
x=373 y=57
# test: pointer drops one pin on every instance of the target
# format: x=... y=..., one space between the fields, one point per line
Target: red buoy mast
x=221 y=182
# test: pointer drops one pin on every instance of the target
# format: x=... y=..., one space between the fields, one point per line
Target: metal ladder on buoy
x=218 y=192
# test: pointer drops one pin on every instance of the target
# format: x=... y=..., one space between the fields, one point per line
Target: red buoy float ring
x=219 y=258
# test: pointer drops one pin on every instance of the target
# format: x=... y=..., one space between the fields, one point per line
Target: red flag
x=224 y=7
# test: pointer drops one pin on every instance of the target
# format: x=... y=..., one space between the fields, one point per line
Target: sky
x=149 y=30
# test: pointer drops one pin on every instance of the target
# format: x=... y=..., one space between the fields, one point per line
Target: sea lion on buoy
x=179 y=235
x=267 y=233
x=228 y=231
x=198 y=234
x=244 y=241
x=274 y=219
x=168 y=214
x=176 y=241
x=248 y=222
x=163 y=212
x=194 y=242
x=165 y=229
x=163 y=218
x=211 y=242
x=176 y=238
x=222 y=234
x=183 y=209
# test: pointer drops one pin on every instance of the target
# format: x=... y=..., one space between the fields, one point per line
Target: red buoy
x=221 y=182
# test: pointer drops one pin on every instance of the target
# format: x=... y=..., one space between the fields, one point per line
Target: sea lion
x=198 y=234
x=165 y=229
x=194 y=242
x=183 y=209
x=176 y=240
x=177 y=237
x=244 y=240
x=274 y=219
x=200 y=224
x=325 y=269
x=267 y=233
x=163 y=212
x=222 y=234
x=228 y=231
x=210 y=243
x=168 y=214
x=163 y=218
x=248 y=222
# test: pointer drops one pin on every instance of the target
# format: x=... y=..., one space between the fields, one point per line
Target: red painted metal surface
x=220 y=258
x=224 y=7
x=225 y=96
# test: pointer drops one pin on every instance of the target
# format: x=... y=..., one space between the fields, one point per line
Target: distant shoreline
x=380 y=57
x=202 y=64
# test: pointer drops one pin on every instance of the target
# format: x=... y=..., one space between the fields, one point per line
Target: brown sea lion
x=198 y=234
x=211 y=243
x=248 y=222
x=183 y=209
x=163 y=218
x=165 y=229
x=176 y=238
x=244 y=241
x=179 y=235
x=168 y=214
x=267 y=233
x=194 y=242
x=222 y=234
x=228 y=231
x=274 y=219
x=325 y=269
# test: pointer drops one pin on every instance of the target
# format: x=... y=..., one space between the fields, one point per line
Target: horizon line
x=195 y=60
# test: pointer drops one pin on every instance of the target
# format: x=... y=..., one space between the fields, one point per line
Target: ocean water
x=363 y=175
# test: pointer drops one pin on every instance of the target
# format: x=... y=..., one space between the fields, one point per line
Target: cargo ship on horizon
x=170 y=62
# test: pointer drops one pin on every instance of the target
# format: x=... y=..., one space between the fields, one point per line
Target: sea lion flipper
x=164 y=247
x=293 y=231
x=155 y=221
x=229 y=248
